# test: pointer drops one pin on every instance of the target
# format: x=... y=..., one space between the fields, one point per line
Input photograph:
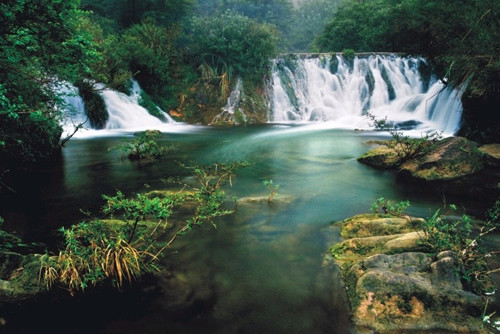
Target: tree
x=233 y=44
x=40 y=45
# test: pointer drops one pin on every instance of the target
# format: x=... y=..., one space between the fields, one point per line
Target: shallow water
x=261 y=270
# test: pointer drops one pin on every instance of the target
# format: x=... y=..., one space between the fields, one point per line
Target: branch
x=78 y=127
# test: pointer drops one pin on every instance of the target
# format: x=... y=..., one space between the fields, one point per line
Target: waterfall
x=231 y=113
x=328 y=88
x=125 y=112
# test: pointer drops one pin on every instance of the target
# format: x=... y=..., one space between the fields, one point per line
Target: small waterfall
x=327 y=88
x=231 y=113
x=125 y=113
x=73 y=108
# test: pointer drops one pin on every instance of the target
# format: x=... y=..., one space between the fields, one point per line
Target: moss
x=147 y=102
x=95 y=107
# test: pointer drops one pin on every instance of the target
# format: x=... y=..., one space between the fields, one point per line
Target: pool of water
x=261 y=270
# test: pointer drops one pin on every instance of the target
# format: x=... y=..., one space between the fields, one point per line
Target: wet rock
x=19 y=277
x=454 y=165
x=381 y=157
x=492 y=154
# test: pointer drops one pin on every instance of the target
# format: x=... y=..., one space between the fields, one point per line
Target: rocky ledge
x=455 y=165
x=393 y=286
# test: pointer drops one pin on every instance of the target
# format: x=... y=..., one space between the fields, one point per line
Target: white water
x=125 y=114
x=232 y=105
x=306 y=90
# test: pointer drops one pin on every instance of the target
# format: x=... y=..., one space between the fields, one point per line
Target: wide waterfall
x=329 y=88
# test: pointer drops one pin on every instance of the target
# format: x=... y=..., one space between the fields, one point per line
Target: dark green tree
x=233 y=44
x=41 y=43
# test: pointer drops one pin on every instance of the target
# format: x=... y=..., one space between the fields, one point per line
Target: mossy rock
x=412 y=291
x=393 y=287
x=381 y=157
x=367 y=225
x=20 y=277
x=449 y=159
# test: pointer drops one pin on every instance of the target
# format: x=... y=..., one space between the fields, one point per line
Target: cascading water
x=231 y=112
x=125 y=113
x=324 y=88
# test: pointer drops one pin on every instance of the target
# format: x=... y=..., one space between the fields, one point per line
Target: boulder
x=412 y=292
x=19 y=277
x=381 y=157
x=366 y=225
x=449 y=159
x=393 y=286
x=455 y=166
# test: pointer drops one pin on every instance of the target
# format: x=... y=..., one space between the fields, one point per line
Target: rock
x=394 y=287
x=365 y=225
x=454 y=166
x=19 y=277
x=449 y=159
x=381 y=157
x=410 y=292
x=492 y=154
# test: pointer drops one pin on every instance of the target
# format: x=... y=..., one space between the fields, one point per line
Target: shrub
x=388 y=207
x=442 y=233
x=404 y=146
x=273 y=189
x=144 y=146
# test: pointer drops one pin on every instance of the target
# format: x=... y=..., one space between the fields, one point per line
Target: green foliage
x=95 y=107
x=140 y=208
x=233 y=44
x=443 y=233
x=348 y=54
x=95 y=252
x=208 y=193
x=40 y=44
x=388 y=207
x=405 y=146
x=147 y=102
x=273 y=189
x=145 y=146
x=8 y=241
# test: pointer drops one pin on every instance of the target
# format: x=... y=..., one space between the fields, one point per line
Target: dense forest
x=186 y=54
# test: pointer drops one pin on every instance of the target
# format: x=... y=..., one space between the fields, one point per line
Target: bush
x=388 y=207
x=145 y=146
x=404 y=146
x=443 y=233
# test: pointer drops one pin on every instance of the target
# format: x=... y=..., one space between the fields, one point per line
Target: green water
x=261 y=270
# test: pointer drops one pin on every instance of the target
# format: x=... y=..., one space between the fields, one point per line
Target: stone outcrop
x=393 y=286
x=452 y=165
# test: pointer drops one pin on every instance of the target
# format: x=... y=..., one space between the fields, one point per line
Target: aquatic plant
x=273 y=189
x=145 y=145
